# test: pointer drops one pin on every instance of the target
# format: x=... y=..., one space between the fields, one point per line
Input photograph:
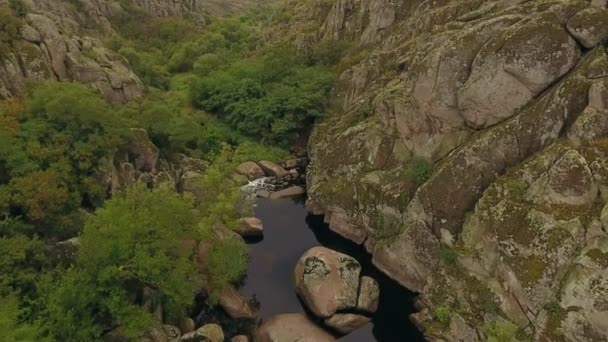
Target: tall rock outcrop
x=51 y=41
x=506 y=99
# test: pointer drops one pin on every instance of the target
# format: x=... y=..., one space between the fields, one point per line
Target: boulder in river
x=345 y=323
x=369 y=294
x=273 y=169
x=207 y=333
x=250 y=227
x=291 y=328
x=289 y=192
x=236 y=305
x=251 y=170
x=327 y=281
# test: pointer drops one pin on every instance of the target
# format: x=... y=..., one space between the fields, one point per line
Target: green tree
x=13 y=329
x=133 y=242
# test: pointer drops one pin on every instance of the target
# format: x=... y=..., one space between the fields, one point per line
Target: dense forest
x=215 y=92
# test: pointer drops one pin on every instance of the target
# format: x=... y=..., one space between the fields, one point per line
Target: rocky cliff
x=60 y=40
x=507 y=100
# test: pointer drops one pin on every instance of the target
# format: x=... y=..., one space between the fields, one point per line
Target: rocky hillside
x=61 y=40
x=467 y=150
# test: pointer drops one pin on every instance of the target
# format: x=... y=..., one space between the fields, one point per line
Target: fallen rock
x=240 y=338
x=327 y=281
x=250 y=227
x=206 y=333
x=272 y=169
x=289 y=192
x=251 y=170
x=291 y=328
x=236 y=305
x=347 y=323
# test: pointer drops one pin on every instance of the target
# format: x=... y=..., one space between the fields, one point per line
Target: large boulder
x=291 y=328
x=251 y=170
x=236 y=305
x=273 y=169
x=327 y=281
x=250 y=227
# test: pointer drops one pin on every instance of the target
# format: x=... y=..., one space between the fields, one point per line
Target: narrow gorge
x=304 y=170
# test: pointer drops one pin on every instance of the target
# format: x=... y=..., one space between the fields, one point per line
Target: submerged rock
x=291 y=328
x=293 y=191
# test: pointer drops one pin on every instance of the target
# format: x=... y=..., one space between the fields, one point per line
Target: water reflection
x=289 y=232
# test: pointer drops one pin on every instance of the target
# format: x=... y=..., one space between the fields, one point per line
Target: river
x=289 y=232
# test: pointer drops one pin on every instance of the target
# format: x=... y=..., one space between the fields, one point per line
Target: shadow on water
x=289 y=232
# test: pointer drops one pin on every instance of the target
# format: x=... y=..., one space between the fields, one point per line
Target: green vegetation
x=211 y=94
x=501 y=331
x=132 y=243
x=10 y=24
x=419 y=170
x=442 y=315
x=270 y=97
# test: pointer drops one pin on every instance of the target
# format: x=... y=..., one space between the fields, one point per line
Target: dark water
x=289 y=232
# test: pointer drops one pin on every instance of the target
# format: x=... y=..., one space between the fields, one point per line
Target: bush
x=442 y=315
x=501 y=331
x=133 y=242
x=269 y=98
x=419 y=170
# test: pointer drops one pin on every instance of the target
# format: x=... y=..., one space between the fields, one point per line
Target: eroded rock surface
x=506 y=100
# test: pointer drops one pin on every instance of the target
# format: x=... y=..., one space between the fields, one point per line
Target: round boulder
x=250 y=227
x=291 y=328
x=327 y=281
x=251 y=170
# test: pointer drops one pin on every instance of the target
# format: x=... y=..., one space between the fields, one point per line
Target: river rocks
x=291 y=328
x=236 y=305
x=346 y=323
x=251 y=170
x=273 y=169
x=250 y=227
x=206 y=333
x=289 y=192
x=330 y=286
x=369 y=295
x=327 y=281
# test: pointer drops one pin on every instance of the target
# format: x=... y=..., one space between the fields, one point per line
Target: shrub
x=501 y=331
x=442 y=315
x=419 y=170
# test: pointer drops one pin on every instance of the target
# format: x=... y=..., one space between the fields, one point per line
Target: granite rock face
x=467 y=150
x=52 y=43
